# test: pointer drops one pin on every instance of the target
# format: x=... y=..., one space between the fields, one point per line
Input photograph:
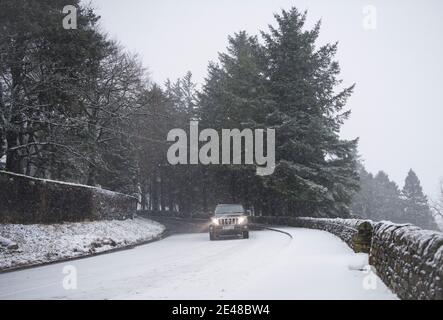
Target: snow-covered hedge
x=409 y=260
x=355 y=232
x=28 y=200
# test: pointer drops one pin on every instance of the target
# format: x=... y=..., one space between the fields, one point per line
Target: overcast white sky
x=397 y=108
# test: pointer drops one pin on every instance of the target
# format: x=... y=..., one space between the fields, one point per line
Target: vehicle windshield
x=229 y=209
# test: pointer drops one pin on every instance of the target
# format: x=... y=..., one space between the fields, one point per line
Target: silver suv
x=229 y=220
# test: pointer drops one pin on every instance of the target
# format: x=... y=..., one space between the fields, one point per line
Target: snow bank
x=38 y=243
x=8 y=244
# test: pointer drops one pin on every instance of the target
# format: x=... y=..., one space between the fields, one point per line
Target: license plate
x=228 y=227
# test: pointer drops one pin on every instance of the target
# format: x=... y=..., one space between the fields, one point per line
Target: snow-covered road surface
x=269 y=265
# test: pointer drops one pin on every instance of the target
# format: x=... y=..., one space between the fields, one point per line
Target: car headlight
x=215 y=221
x=241 y=220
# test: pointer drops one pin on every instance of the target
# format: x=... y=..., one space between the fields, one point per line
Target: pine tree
x=234 y=96
x=416 y=207
x=363 y=201
x=289 y=85
x=379 y=198
x=387 y=204
x=316 y=169
x=236 y=87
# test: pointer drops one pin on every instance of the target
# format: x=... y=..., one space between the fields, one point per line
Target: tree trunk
x=162 y=190
x=170 y=195
x=2 y=144
x=92 y=175
x=205 y=196
x=13 y=158
x=154 y=193
x=2 y=124
x=143 y=190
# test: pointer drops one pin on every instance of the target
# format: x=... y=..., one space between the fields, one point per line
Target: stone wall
x=27 y=200
x=355 y=232
x=409 y=260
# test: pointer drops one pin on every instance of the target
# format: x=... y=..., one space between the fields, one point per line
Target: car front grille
x=227 y=221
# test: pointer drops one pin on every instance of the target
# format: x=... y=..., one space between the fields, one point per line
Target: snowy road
x=269 y=265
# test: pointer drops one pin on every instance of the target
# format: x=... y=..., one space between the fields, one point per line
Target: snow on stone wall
x=26 y=200
x=409 y=260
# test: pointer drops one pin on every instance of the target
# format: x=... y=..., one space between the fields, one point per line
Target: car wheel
x=211 y=236
x=246 y=235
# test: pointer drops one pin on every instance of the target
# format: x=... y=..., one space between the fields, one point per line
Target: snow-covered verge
x=24 y=245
